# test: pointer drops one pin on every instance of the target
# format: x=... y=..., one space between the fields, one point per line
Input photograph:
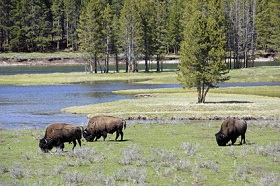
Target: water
x=39 y=106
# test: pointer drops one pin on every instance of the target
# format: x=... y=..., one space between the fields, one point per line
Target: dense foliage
x=135 y=29
x=202 y=51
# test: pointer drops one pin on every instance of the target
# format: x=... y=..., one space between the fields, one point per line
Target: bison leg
x=233 y=140
x=117 y=135
x=121 y=132
x=74 y=142
x=79 y=141
x=243 y=138
x=104 y=134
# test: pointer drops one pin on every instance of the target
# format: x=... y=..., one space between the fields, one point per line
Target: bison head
x=45 y=145
x=221 y=139
x=87 y=135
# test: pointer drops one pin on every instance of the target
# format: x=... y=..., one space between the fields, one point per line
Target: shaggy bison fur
x=58 y=133
x=101 y=125
x=231 y=129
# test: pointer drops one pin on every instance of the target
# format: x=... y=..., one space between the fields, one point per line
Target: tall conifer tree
x=203 y=48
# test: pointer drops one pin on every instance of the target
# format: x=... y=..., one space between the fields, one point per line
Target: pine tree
x=174 y=34
x=268 y=24
x=107 y=21
x=72 y=13
x=159 y=31
x=5 y=23
x=203 y=48
x=130 y=33
x=58 y=15
x=91 y=33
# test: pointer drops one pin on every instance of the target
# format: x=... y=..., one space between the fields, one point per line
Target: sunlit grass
x=163 y=153
x=262 y=74
x=172 y=103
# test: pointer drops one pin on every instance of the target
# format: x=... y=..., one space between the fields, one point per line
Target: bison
x=101 y=125
x=58 y=133
x=230 y=130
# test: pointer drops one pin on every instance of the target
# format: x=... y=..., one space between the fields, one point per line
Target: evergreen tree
x=5 y=23
x=91 y=33
x=72 y=13
x=159 y=32
x=268 y=24
x=203 y=48
x=58 y=14
x=130 y=33
x=145 y=12
x=174 y=34
x=107 y=21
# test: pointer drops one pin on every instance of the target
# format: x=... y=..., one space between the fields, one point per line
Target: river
x=39 y=106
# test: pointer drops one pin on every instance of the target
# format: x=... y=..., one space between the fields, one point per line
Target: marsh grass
x=240 y=75
x=183 y=105
x=150 y=155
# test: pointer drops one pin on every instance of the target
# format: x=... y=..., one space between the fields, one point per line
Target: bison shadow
x=109 y=140
x=238 y=144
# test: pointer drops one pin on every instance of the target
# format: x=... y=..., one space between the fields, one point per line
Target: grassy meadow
x=173 y=151
x=162 y=153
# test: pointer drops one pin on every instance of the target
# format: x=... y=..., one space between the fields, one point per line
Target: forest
x=133 y=30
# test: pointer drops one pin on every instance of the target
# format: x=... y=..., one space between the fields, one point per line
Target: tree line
x=133 y=30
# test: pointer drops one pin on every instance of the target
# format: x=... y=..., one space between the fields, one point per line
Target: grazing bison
x=230 y=130
x=58 y=133
x=101 y=125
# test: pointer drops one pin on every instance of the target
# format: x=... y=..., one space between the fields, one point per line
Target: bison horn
x=46 y=141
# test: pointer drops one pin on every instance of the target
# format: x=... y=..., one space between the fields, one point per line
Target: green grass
x=261 y=74
x=170 y=103
x=165 y=153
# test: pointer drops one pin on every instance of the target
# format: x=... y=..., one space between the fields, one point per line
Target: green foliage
x=202 y=51
x=268 y=24
x=130 y=33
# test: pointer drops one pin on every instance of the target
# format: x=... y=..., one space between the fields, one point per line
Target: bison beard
x=231 y=129
x=58 y=133
x=101 y=125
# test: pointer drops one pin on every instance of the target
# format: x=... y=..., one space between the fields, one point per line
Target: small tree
x=203 y=49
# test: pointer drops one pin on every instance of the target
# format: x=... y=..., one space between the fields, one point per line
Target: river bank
x=75 y=59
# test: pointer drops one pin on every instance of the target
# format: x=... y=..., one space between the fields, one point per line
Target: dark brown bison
x=101 y=125
x=58 y=133
x=230 y=130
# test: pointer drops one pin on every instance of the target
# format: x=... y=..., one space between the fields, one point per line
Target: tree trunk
x=158 y=66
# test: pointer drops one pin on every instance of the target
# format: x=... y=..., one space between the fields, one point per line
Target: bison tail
x=124 y=124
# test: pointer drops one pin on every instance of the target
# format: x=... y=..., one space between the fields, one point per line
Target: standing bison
x=58 y=133
x=230 y=130
x=101 y=125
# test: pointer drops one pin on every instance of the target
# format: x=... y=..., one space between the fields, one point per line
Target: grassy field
x=164 y=153
x=179 y=103
x=263 y=74
x=159 y=152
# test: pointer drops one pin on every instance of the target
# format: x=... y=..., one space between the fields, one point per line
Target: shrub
x=136 y=175
x=17 y=171
x=74 y=178
x=129 y=154
x=209 y=165
x=3 y=169
x=270 y=179
x=190 y=148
